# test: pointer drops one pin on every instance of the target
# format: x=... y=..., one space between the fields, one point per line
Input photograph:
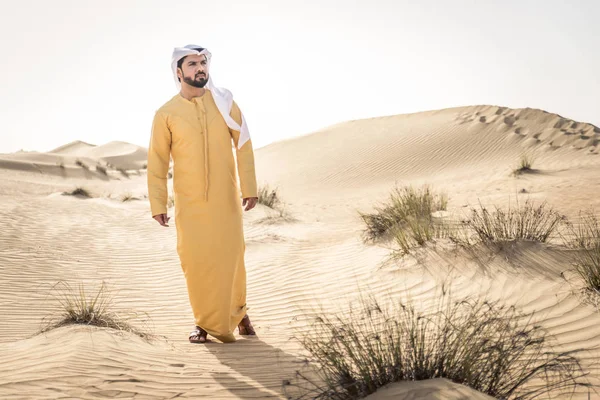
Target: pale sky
x=97 y=70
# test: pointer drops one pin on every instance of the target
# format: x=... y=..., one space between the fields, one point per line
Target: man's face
x=194 y=70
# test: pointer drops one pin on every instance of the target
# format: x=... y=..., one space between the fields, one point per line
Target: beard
x=198 y=81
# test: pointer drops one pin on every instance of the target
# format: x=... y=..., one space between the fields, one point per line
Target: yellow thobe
x=208 y=211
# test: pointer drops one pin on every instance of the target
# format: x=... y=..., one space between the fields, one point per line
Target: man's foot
x=245 y=327
x=199 y=335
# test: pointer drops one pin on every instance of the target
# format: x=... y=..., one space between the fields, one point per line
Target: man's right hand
x=162 y=219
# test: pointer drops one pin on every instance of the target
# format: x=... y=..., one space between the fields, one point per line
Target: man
x=196 y=128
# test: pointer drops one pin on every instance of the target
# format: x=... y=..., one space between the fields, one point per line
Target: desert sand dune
x=318 y=261
x=79 y=159
x=75 y=148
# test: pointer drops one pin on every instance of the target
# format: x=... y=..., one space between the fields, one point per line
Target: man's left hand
x=249 y=203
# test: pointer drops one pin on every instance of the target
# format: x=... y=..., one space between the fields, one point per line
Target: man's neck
x=189 y=92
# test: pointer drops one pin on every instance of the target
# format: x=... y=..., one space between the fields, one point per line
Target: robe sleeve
x=245 y=158
x=159 y=154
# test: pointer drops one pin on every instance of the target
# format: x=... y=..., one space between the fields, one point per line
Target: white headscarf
x=223 y=97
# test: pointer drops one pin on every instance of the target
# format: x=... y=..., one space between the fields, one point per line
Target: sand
x=318 y=258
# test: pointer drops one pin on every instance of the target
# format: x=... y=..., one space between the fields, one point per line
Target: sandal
x=245 y=327
x=199 y=335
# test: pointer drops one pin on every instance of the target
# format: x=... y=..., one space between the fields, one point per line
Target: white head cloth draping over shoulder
x=223 y=97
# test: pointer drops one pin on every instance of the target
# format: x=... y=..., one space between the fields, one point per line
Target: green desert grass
x=523 y=222
x=268 y=197
x=489 y=347
x=80 y=308
x=404 y=204
x=525 y=165
x=79 y=191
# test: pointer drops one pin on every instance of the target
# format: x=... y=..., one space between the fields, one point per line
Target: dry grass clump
x=78 y=191
x=585 y=240
x=525 y=165
x=101 y=169
x=523 y=222
x=491 y=348
x=407 y=218
x=171 y=201
x=268 y=197
x=405 y=203
x=127 y=197
x=81 y=164
x=78 y=308
x=271 y=199
x=585 y=234
x=418 y=231
x=279 y=214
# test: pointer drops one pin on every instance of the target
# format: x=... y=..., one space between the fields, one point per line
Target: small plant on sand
x=523 y=222
x=405 y=203
x=101 y=169
x=268 y=197
x=525 y=165
x=278 y=214
x=585 y=240
x=418 y=231
x=78 y=191
x=81 y=164
x=171 y=201
x=123 y=172
x=127 y=197
x=489 y=347
x=79 y=308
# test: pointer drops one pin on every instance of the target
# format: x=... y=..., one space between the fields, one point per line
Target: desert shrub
x=268 y=196
x=418 y=231
x=171 y=201
x=101 y=169
x=489 y=347
x=127 y=197
x=79 y=308
x=79 y=191
x=277 y=215
x=584 y=238
x=523 y=222
x=404 y=204
x=525 y=165
x=81 y=164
